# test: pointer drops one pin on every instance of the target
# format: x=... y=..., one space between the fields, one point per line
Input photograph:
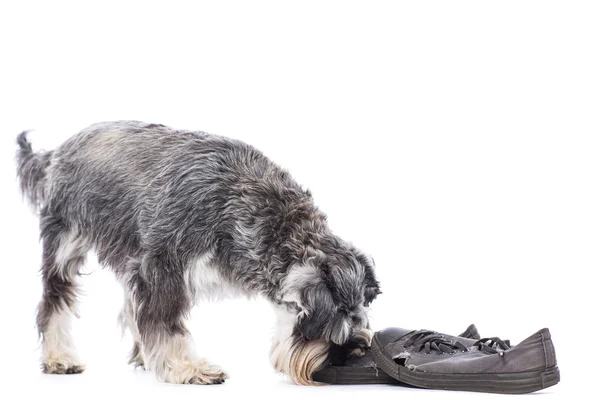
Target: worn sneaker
x=432 y=360
x=348 y=368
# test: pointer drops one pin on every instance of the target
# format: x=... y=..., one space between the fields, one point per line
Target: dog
x=181 y=216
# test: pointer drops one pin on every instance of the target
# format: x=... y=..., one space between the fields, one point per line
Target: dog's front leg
x=161 y=302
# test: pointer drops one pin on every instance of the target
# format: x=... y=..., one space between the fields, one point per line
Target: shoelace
x=430 y=340
x=491 y=345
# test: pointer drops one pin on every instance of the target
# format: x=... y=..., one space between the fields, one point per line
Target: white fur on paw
x=62 y=364
x=196 y=373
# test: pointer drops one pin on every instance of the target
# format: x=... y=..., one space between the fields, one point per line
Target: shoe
x=353 y=369
x=432 y=360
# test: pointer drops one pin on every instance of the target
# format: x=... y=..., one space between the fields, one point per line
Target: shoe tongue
x=471 y=333
x=390 y=335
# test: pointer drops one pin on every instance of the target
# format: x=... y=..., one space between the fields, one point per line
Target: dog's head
x=331 y=292
x=326 y=297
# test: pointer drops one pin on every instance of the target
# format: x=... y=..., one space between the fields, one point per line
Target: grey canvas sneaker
x=432 y=360
x=348 y=368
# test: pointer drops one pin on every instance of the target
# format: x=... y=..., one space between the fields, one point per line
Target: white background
x=454 y=141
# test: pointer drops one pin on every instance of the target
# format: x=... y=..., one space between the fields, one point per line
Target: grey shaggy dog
x=182 y=216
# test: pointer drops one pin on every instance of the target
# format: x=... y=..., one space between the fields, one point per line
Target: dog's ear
x=317 y=310
x=371 y=288
x=305 y=288
x=371 y=292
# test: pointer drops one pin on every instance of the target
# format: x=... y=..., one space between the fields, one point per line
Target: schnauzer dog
x=181 y=216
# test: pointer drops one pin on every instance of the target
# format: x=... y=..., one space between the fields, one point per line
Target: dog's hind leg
x=64 y=253
x=127 y=322
x=161 y=301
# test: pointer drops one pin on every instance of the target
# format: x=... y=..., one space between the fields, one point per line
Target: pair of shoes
x=428 y=359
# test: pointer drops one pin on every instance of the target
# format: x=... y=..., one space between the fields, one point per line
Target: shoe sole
x=340 y=375
x=510 y=383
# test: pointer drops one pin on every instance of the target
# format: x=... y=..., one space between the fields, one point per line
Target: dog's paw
x=135 y=357
x=212 y=378
x=196 y=373
x=63 y=364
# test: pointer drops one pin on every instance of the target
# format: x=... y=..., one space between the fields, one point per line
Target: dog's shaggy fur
x=180 y=216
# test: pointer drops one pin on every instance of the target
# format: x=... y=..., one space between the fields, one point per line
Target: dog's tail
x=31 y=171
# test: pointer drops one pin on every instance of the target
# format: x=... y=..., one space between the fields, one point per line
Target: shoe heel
x=549 y=351
x=550 y=377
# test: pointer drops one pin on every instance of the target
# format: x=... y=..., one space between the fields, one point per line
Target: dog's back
x=127 y=187
x=127 y=184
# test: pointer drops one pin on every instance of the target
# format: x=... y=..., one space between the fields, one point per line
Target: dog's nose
x=363 y=337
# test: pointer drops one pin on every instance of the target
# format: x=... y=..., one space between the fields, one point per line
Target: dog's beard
x=294 y=356
x=300 y=359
